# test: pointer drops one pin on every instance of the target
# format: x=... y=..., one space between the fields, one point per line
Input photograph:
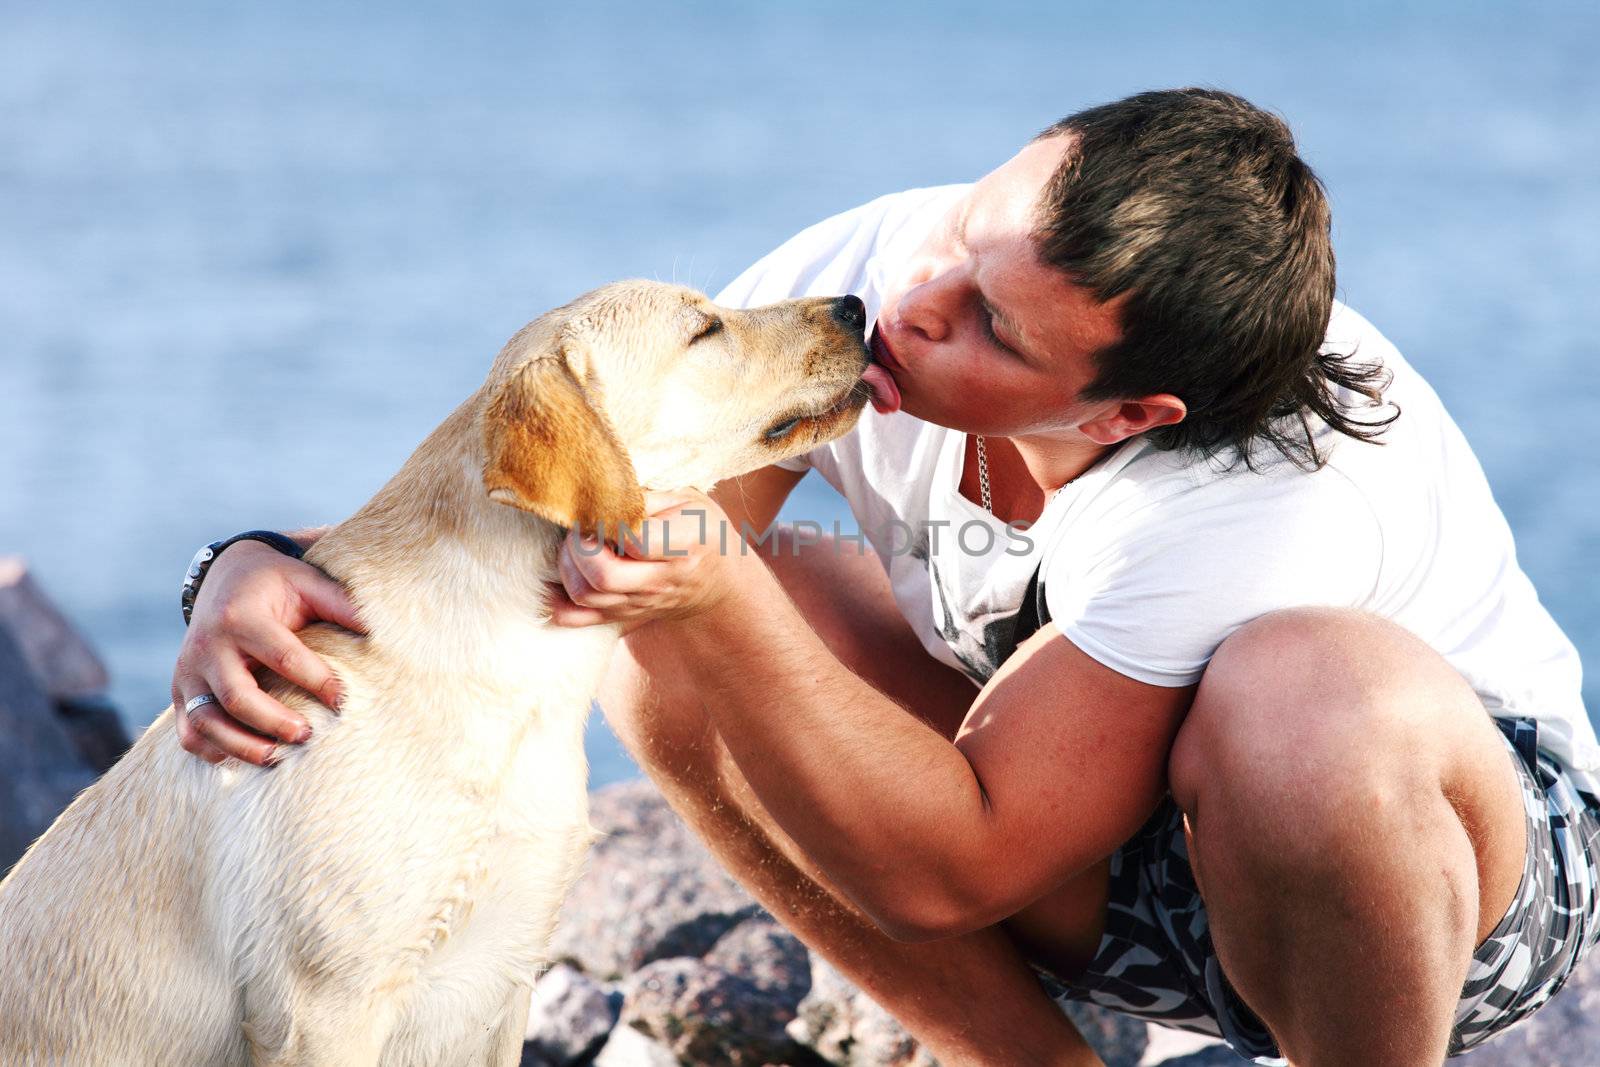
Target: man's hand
x=252 y=602
x=678 y=565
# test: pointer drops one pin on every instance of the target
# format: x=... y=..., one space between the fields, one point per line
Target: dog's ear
x=551 y=452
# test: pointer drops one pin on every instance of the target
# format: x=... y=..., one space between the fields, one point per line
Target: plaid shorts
x=1155 y=959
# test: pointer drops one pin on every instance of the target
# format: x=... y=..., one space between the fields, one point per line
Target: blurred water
x=235 y=240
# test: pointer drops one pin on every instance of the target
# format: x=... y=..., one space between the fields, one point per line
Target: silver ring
x=197 y=703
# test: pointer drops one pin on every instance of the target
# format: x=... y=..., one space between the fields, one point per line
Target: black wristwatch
x=206 y=556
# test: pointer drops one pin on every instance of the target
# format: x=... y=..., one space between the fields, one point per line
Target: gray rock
x=1169 y=1043
x=848 y=1028
x=708 y=1016
x=63 y=666
x=58 y=656
x=1216 y=1056
x=570 y=1017
x=531 y=1058
x=650 y=890
x=627 y=1047
x=1119 y=1039
x=653 y=899
x=96 y=730
x=41 y=769
x=1563 y=1033
x=763 y=953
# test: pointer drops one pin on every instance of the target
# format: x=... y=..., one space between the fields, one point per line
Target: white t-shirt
x=1149 y=560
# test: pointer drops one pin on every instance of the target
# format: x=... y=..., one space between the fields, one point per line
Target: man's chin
x=904 y=400
x=910 y=406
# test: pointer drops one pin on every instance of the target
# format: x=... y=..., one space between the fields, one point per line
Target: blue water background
x=236 y=240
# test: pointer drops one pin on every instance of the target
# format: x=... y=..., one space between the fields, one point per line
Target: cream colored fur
x=385 y=894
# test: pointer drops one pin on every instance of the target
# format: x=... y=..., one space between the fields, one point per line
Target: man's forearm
x=835 y=777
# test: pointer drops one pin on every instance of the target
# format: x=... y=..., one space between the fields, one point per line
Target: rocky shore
x=661 y=958
x=664 y=959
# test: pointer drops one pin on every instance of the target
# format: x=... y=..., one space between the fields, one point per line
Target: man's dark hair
x=1193 y=205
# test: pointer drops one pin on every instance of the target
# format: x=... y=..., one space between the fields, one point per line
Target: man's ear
x=551 y=452
x=1131 y=417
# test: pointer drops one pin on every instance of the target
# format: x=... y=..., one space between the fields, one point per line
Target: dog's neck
x=447 y=580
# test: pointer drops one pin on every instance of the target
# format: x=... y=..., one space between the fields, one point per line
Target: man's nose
x=925 y=305
x=851 y=313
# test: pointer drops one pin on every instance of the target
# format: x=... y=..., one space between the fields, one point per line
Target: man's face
x=981 y=335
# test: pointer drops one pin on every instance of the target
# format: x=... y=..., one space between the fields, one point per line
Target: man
x=1243 y=610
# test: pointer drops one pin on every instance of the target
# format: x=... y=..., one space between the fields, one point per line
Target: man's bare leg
x=969 y=999
x=1356 y=829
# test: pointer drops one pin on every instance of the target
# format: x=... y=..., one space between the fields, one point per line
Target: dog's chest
x=489 y=932
x=531 y=826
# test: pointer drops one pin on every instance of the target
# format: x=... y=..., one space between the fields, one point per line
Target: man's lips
x=883 y=353
x=880 y=379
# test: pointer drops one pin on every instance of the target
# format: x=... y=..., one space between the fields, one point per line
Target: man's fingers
x=241 y=698
x=209 y=732
x=602 y=571
x=226 y=736
x=282 y=652
x=209 y=752
x=575 y=570
x=192 y=740
x=195 y=742
x=563 y=612
x=576 y=616
x=676 y=524
x=329 y=601
x=656 y=502
x=678 y=534
x=581 y=591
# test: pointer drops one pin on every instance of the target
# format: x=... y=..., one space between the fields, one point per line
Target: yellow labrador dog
x=385 y=894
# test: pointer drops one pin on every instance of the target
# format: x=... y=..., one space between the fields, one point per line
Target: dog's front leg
x=324 y=1031
x=504 y=1048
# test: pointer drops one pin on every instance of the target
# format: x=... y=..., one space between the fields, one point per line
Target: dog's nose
x=849 y=311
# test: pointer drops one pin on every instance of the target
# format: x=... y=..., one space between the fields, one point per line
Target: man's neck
x=1024 y=471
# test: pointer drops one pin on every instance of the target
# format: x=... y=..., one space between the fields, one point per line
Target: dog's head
x=641 y=385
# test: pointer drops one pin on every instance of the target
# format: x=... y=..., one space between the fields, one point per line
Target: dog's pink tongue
x=885 y=393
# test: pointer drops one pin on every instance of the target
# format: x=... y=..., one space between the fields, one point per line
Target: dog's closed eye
x=710 y=328
x=777 y=431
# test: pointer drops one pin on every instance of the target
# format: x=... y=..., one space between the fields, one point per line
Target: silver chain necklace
x=983 y=475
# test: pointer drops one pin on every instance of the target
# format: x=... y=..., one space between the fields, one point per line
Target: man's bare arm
x=752 y=501
x=1060 y=761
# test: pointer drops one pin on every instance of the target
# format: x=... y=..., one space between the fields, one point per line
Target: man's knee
x=1321 y=710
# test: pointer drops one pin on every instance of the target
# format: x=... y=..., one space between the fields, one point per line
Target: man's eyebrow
x=989 y=309
x=1004 y=320
x=961 y=225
